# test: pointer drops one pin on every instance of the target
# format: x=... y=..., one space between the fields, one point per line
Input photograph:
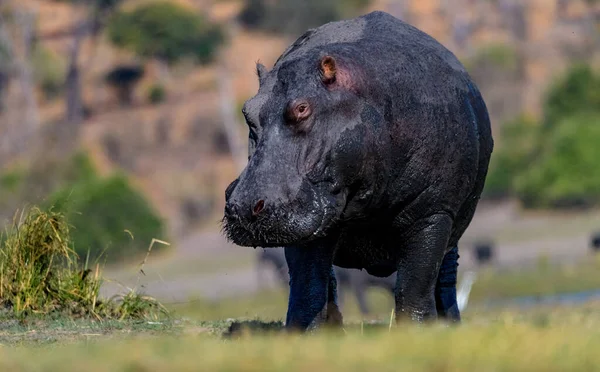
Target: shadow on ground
x=238 y=329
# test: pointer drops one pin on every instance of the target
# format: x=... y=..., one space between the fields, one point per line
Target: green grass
x=271 y=305
x=491 y=284
x=47 y=331
x=544 y=279
x=556 y=339
x=41 y=275
x=54 y=330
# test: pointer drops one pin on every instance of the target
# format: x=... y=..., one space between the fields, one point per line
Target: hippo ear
x=340 y=75
x=328 y=69
x=262 y=72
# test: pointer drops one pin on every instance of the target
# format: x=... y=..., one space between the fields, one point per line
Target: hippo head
x=307 y=151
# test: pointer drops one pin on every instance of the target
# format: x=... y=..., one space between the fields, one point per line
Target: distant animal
x=369 y=146
x=356 y=281
x=595 y=242
x=484 y=252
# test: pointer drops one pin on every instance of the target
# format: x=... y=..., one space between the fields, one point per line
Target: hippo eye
x=298 y=110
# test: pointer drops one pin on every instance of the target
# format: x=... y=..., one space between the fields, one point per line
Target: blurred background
x=126 y=116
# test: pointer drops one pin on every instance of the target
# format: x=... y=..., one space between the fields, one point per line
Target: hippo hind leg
x=445 y=289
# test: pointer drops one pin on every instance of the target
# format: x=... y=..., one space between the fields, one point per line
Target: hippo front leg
x=313 y=288
x=418 y=268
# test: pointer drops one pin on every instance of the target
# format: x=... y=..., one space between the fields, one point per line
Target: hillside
x=177 y=151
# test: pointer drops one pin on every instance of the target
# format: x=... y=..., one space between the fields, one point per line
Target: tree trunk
x=73 y=100
x=21 y=129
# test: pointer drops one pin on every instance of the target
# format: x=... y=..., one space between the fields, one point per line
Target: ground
x=205 y=266
x=543 y=339
x=219 y=312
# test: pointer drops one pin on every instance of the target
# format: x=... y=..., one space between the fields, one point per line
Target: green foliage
x=548 y=339
x=41 y=274
x=11 y=180
x=156 y=94
x=566 y=172
x=578 y=90
x=513 y=156
x=288 y=17
x=78 y=169
x=166 y=31
x=554 y=164
x=498 y=55
x=109 y=217
x=49 y=72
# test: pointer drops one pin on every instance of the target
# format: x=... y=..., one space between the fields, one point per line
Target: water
x=572 y=298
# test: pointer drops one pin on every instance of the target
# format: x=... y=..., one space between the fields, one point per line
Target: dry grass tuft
x=40 y=274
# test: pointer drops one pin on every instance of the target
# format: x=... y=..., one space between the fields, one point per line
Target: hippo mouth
x=279 y=229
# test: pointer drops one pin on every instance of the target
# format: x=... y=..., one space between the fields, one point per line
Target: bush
x=554 y=164
x=40 y=274
x=287 y=17
x=156 y=94
x=49 y=72
x=567 y=171
x=104 y=212
x=578 y=90
x=166 y=31
x=11 y=180
x=513 y=156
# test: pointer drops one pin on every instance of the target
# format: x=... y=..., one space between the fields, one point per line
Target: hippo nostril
x=258 y=207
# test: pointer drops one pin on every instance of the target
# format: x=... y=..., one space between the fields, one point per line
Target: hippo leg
x=334 y=315
x=418 y=268
x=313 y=288
x=445 y=289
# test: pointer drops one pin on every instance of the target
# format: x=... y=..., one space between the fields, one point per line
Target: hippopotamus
x=357 y=281
x=369 y=145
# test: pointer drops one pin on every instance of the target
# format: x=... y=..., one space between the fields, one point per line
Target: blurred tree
x=97 y=12
x=123 y=79
x=554 y=164
x=17 y=41
x=517 y=141
x=5 y=67
x=288 y=17
x=167 y=32
x=100 y=11
x=578 y=90
x=48 y=72
x=566 y=172
x=103 y=213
